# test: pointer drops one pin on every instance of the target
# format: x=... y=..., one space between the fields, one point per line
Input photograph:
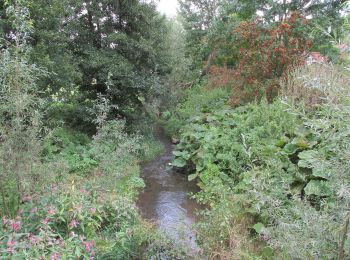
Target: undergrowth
x=275 y=177
x=195 y=101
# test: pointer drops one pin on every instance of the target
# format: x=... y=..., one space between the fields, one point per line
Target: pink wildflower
x=16 y=226
x=73 y=224
x=56 y=256
x=11 y=243
x=52 y=211
x=89 y=245
x=11 y=246
x=33 y=239
x=93 y=210
x=46 y=222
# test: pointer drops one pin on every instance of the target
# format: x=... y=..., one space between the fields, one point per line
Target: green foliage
x=179 y=62
x=196 y=100
x=70 y=114
x=199 y=18
x=91 y=211
x=88 y=208
x=222 y=144
x=70 y=220
x=282 y=170
x=104 y=47
x=269 y=172
x=70 y=146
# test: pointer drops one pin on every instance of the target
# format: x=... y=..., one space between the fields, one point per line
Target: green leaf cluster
x=278 y=166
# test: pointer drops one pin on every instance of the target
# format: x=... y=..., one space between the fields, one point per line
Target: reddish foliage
x=221 y=76
x=265 y=55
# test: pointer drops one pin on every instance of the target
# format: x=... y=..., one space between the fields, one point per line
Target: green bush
x=225 y=143
x=70 y=114
x=197 y=100
x=69 y=146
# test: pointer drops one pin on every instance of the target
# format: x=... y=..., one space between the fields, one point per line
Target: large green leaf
x=308 y=155
x=308 y=159
x=259 y=227
x=311 y=159
x=183 y=154
x=291 y=149
x=179 y=162
x=320 y=172
x=318 y=188
x=191 y=177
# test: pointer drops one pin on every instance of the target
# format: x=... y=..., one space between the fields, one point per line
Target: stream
x=165 y=199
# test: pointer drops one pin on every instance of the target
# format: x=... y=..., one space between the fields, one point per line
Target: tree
x=278 y=10
x=82 y=44
x=325 y=15
x=199 y=16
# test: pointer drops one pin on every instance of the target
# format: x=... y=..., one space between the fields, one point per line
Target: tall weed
x=20 y=116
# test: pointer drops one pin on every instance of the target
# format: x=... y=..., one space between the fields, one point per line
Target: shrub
x=112 y=140
x=63 y=144
x=196 y=101
x=20 y=117
x=70 y=114
x=265 y=55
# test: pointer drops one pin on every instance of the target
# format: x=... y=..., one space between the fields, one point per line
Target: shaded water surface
x=165 y=199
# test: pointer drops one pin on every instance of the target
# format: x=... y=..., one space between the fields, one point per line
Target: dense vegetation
x=79 y=83
x=256 y=92
x=266 y=136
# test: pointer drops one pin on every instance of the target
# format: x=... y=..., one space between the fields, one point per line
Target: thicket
x=70 y=163
x=82 y=82
x=274 y=170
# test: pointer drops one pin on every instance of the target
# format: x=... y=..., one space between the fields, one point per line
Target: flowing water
x=165 y=199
